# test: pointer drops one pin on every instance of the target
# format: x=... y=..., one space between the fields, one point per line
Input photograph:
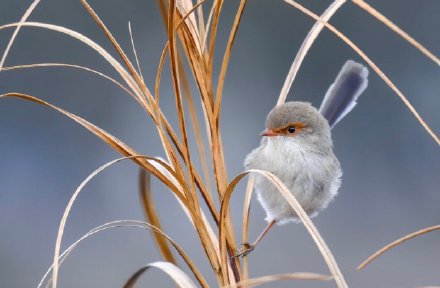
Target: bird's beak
x=269 y=133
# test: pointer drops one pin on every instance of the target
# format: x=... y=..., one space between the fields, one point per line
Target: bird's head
x=299 y=122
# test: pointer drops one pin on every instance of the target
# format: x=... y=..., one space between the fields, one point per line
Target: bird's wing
x=342 y=95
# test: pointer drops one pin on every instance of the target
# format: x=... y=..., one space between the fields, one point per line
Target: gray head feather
x=317 y=129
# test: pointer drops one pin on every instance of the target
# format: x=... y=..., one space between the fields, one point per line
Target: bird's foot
x=245 y=249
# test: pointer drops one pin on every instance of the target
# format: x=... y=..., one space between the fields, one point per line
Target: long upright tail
x=342 y=95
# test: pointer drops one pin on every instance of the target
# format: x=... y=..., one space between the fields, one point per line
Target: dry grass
x=197 y=38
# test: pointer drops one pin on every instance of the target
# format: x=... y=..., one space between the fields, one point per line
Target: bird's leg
x=248 y=248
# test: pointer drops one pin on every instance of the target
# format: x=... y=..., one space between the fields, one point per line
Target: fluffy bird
x=297 y=147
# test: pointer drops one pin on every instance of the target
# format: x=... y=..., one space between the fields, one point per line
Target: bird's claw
x=245 y=249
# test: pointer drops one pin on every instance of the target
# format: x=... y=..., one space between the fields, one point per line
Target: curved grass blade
x=79 y=189
x=133 y=47
x=199 y=223
x=126 y=224
x=305 y=46
x=217 y=6
x=314 y=233
x=197 y=130
x=396 y=243
x=138 y=79
x=178 y=96
x=204 y=234
x=208 y=25
x=371 y=64
x=17 y=29
x=72 y=200
x=225 y=62
x=115 y=64
x=197 y=220
x=186 y=7
x=201 y=228
x=152 y=216
x=245 y=228
x=65 y=65
x=279 y=277
x=193 y=115
x=182 y=280
x=379 y=16
x=106 y=137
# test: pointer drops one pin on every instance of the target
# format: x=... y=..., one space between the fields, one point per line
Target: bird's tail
x=342 y=95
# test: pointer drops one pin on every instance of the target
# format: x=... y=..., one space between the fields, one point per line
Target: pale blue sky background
x=391 y=166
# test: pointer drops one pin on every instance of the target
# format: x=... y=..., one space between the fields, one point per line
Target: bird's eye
x=291 y=129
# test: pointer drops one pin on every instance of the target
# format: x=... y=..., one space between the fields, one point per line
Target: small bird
x=297 y=147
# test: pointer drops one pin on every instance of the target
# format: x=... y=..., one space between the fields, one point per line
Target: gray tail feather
x=342 y=95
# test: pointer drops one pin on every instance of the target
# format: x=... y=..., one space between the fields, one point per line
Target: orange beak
x=269 y=133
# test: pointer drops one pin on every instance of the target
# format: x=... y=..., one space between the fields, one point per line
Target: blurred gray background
x=391 y=165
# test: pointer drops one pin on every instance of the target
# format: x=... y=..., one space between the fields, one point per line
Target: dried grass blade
x=217 y=8
x=379 y=16
x=198 y=220
x=192 y=196
x=208 y=26
x=126 y=224
x=159 y=73
x=79 y=189
x=245 y=231
x=152 y=216
x=371 y=64
x=163 y=12
x=176 y=85
x=105 y=136
x=201 y=149
x=145 y=92
x=17 y=29
x=190 y=215
x=116 y=65
x=186 y=8
x=225 y=62
x=396 y=243
x=313 y=231
x=305 y=46
x=278 y=277
x=196 y=127
x=201 y=20
x=197 y=65
x=133 y=47
x=39 y=65
x=182 y=280
x=191 y=107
